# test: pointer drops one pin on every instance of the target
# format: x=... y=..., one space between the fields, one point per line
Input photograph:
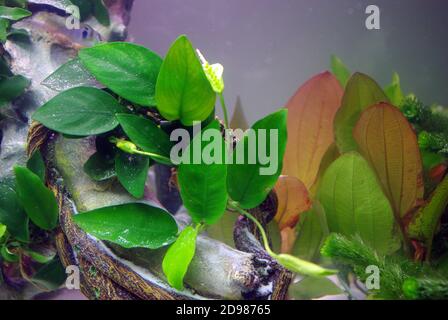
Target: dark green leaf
x=202 y=185
x=146 y=135
x=36 y=164
x=38 y=201
x=13 y=13
x=130 y=225
x=246 y=183
x=183 y=91
x=132 y=172
x=100 y=167
x=100 y=12
x=85 y=8
x=70 y=75
x=11 y=211
x=12 y=87
x=80 y=111
x=178 y=257
x=4 y=24
x=127 y=69
x=52 y=275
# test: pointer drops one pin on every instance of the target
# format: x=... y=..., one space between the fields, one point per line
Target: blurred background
x=270 y=47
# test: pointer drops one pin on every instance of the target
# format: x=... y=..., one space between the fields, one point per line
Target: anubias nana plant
x=136 y=101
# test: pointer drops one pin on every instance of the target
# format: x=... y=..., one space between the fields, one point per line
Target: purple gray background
x=270 y=47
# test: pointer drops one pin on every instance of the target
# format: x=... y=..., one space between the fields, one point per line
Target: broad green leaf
x=355 y=204
x=293 y=199
x=340 y=70
x=100 y=12
x=361 y=92
x=39 y=202
x=183 y=92
x=203 y=184
x=11 y=211
x=249 y=183
x=81 y=111
x=132 y=172
x=178 y=257
x=311 y=114
x=313 y=288
x=127 y=69
x=312 y=230
x=425 y=222
x=132 y=225
x=393 y=91
x=146 y=135
x=13 y=13
x=70 y=75
x=52 y=275
x=100 y=167
x=11 y=88
x=388 y=142
x=36 y=164
x=2 y=230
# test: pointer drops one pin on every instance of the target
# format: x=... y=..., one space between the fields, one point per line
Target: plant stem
x=153 y=155
x=224 y=110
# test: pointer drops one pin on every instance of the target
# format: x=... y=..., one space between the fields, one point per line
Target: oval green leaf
x=127 y=69
x=132 y=172
x=13 y=13
x=132 y=225
x=146 y=135
x=81 y=111
x=178 y=257
x=183 y=92
x=203 y=185
x=361 y=92
x=36 y=164
x=38 y=201
x=100 y=167
x=354 y=203
x=248 y=183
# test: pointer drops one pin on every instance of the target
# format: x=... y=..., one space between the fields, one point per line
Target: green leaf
x=39 y=257
x=4 y=24
x=203 y=185
x=393 y=91
x=36 y=164
x=132 y=225
x=355 y=204
x=11 y=88
x=11 y=211
x=313 y=288
x=361 y=92
x=13 y=13
x=183 y=92
x=7 y=255
x=2 y=230
x=425 y=223
x=312 y=230
x=132 y=172
x=100 y=167
x=52 y=275
x=178 y=257
x=85 y=8
x=340 y=70
x=39 y=202
x=81 y=111
x=70 y=75
x=100 y=12
x=127 y=69
x=246 y=183
x=146 y=135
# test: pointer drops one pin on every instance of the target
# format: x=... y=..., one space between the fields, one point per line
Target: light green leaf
x=70 y=75
x=39 y=202
x=127 y=69
x=11 y=211
x=393 y=91
x=132 y=225
x=100 y=167
x=36 y=164
x=246 y=184
x=183 y=92
x=81 y=111
x=2 y=230
x=178 y=257
x=202 y=185
x=146 y=135
x=132 y=172
x=13 y=13
x=39 y=257
x=361 y=92
x=355 y=204
x=340 y=70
